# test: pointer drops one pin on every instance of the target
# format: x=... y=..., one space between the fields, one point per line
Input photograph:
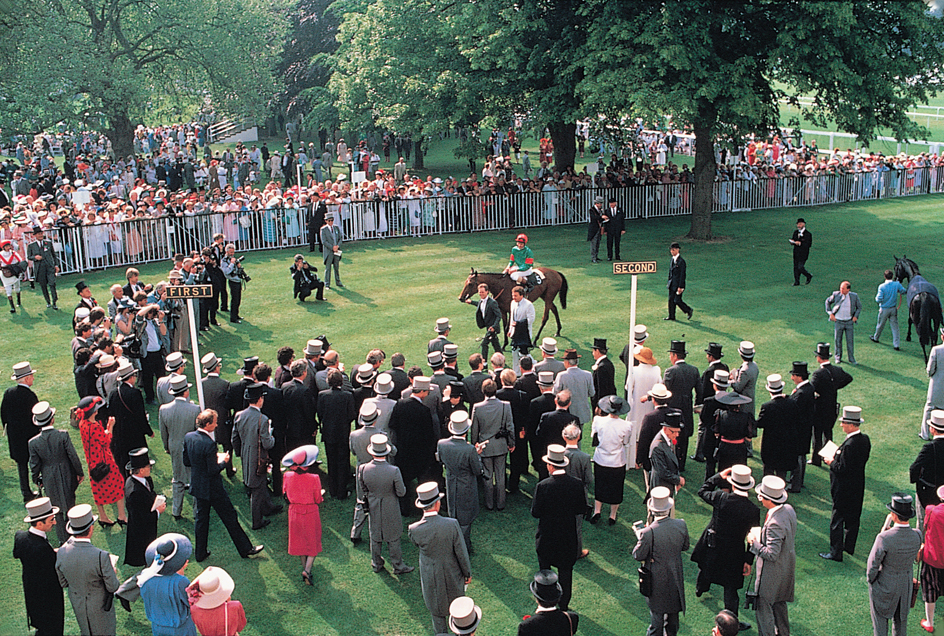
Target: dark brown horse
x=924 y=303
x=500 y=285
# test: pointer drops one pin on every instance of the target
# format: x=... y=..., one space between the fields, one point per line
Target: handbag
x=645 y=580
x=100 y=471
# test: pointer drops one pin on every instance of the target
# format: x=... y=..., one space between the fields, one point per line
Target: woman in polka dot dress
x=95 y=441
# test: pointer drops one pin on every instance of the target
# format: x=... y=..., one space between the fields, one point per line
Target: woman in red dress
x=96 y=442
x=303 y=490
x=212 y=608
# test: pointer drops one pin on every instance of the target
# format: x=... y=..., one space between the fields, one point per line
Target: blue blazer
x=200 y=456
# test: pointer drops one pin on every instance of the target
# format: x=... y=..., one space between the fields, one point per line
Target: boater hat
x=464 y=615
x=772 y=488
x=427 y=494
x=40 y=509
x=80 y=519
x=459 y=422
x=659 y=392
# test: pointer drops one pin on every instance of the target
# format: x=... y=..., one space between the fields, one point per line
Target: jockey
x=521 y=263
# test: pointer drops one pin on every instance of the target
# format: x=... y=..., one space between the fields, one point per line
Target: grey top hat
x=80 y=519
x=442 y=325
x=138 y=458
x=740 y=477
x=179 y=384
x=40 y=509
x=435 y=359
x=368 y=413
x=420 y=383
x=936 y=421
x=172 y=549
x=902 y=505
x=43 y=414
x=599 y=200
x=772 y=488
x=545 y=586
x=549 y=346
x=384 y=384
x=174 y=361
x=746 y=349
x=464 y=615
x=556 y=456
x=640 y=334
x=660 y=500
x=721 y=378
x=852 y=415
x=459 y=422
x=366 y=373
x=314 y=348
x=209 y=362
x=613 y=405
x=427 y=494
x=378 y=445
x=545 y=378
x=21 y=370
x=775 y=383
x=106 y=361
x=450 y=351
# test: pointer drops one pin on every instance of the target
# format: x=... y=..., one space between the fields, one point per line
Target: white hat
x=660 y=499
x=772 y=488
x=740 y=478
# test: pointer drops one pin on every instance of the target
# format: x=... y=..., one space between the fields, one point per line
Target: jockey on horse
x=521 y=264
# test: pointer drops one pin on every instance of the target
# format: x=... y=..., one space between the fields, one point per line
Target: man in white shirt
x=519 y=331
x=843 y=308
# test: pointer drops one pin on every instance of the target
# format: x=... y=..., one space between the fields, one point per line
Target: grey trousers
x=899 y=621
x=890 y=316
x=360 y=513
x=847 y=328
x=660 y=624
x=440 y=624
x=772 y=619
x=495 y=484
x=393 y=549
x=180 y=488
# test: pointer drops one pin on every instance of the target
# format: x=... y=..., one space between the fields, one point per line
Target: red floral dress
x=95 y=442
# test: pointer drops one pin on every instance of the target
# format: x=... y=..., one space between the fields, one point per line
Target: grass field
x=740 y=288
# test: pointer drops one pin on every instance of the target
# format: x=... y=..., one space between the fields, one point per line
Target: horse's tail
x=563 y=291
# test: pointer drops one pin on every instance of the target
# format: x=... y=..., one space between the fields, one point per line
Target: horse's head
x=471 y=286
x=905 y=268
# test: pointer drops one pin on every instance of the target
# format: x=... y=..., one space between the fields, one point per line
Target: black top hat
x=79 y=286
x=800 y=369
x=255 y=391
x=546 y=588
x=675 y=246
x=599 y=344
x=38 y=229
x=714 y=350
x=902 y=505
x=138 y=458
x=248 y=365
x=822 y=350
x=673 y=419
x=677 y=347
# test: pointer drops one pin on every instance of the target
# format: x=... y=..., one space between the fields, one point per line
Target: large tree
x=305 y=66
x=119 y=59
x=722 y=66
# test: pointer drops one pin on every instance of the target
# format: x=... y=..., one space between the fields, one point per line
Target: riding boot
x=18 y=302
x=12 y=306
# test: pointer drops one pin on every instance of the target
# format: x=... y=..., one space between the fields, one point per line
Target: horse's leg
x=543 y=320
x=557 y=318
x=925 y=352
x=908 y=338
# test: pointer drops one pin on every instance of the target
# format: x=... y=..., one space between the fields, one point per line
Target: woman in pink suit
x=303 y=490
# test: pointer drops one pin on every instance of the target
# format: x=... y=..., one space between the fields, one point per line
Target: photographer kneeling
x=235 y=275
x=306 y=279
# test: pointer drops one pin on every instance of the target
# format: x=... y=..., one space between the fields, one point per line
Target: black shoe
x=356 y=540
x=611 y=521
x=124 y=603
x=204 y=328
x=668 y=318
x=262 y=525
x=743 y=627
x=609 y=258
x=178 y=517
x=873 y=338
x=690 y=312
x=406 y=569
x=214 y=323
x=594 y=518
x=796 y=284
x=697 y=458
x=253 y=552
x=339 y=284
x=897 y=348
x=275 y=510
x=808 y=279
x=829 y=556
x=204 y=557
x=54 y=308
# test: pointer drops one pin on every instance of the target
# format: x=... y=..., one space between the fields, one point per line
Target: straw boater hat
x=773 y=489
x=40 y=509
x=43 y=414
x=178 y=385
x=428 y=494
x=368 y=413
x=660 y=500
x=902 y=505
x=138 y=458
x=80 y=519
x=464 y=615
x=775 y=383
x=556 y=456
x=545 y=586
x=209 y=362
x=549 y=346
x=384 y=384
x=302 y=456
x=746 y=349
x=740 y=478
x=442 y=325
x=644 y=355
x=378 y=445
x=174 y=361
x=21 y=370
x=215 y=585
x=459 y=422
x=314 y=348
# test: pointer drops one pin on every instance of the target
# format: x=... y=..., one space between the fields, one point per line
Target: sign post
x=634 y=268
x=189 y=292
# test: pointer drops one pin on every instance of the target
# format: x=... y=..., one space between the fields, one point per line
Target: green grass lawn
x=740 y=288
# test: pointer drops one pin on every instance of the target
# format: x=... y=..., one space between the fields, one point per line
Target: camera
x=240 y=272
x=750 y=600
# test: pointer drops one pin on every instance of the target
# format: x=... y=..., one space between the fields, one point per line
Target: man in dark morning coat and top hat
x=926 y=471
x=252 y=436
x=890 y=566
x=488 y=317
x=804 y=397
x=603 y=371
x=847 y=484
x=16 y=412
x=776 y=558
x=711 y=409
x=681 y=379
x=676 y=284
x=89 y=574
x=382 y=485
x=140 y=499
x=544 y=403
x=705 y=390
x=663 y=459
x=54 y=464
x=556 y=503
x=337 y=410
x=175 y=420
x=235 y=402
x=413 y=432
x=549 y=619
x=827 y=380
x=44 y=607
x=464 y=469
x=778 y=420
x=126 y=404
x=445 y=568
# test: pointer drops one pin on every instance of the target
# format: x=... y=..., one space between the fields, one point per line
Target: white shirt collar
x=37 y=531
x=430 y=513
x=855 y=432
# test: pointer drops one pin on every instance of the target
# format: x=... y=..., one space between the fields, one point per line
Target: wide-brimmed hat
x=721 y=378
x=39 y=509
x=556 y=456
x=450 y=351
x=366 y=373
x=800 y=368
x=549 y=346
x=442 y=325
x=640 y=334
x=435 y=359
x=599 y=344
x=740 y=477
x=178 y=385
x=43 y=414
x=215 y=585
x=106 y=361
x=746 y=349
x=172 y=549
x=775 y=383
x=936 y=420
x=459 y=422
x=659 y=392
x=660 y=500
x=545 y=378
x=248 y=365
x=174 y=361
x=420 y=383
x=427 y=494
x=138 y=458
x=677 y=347
x=314 y=348
x=734 y=399
x=714 y=350
x=772 y=488
x=852 y=415
x=125 y=369
x=209 y=362
x=21 y=370
x=571 y=354
x=613 y=405
x=384 y=384
x=255 y=391
x=644 y=355
x=379 y=447
x=822 y=350
x=902 y=505
x=80 y=518
x=545 y=586
x=303 y=456
x=464 y=615
x=90 y=404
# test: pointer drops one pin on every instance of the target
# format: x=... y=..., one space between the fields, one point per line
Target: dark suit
x=614 y=228
x=400 y=381
x=778 y=418
x=927 y=471
x=131 y=423
x=557 y=501
x=412 y=431
x=682 y=379
x=142 y=521
x=801 y=253
x=594 y=230
x=44 y=606
x=336 y=413
x=215 y=389
x=551 y=426
x=490 y=322
x=472 y=386
x=604 y=378
x=676 y=282
x=300 y=403
x=206 y=486
x=540 y=405
x=273 y=407
x=16 y=411
x=44 y=270
x=847 y=486
x=826 y=381
x=553 y=623
x=520 y=404
x=704 y=390
x=804 y=397
x=650 y=427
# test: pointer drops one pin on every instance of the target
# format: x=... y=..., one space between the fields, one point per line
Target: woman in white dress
x=642 y=377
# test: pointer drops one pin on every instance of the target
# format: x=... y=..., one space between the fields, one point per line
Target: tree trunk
x=418 y=153
x=565 y=144
x=120 y=129
x=704 y=183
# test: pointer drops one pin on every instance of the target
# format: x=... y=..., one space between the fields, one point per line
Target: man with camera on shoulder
x=235 y=275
